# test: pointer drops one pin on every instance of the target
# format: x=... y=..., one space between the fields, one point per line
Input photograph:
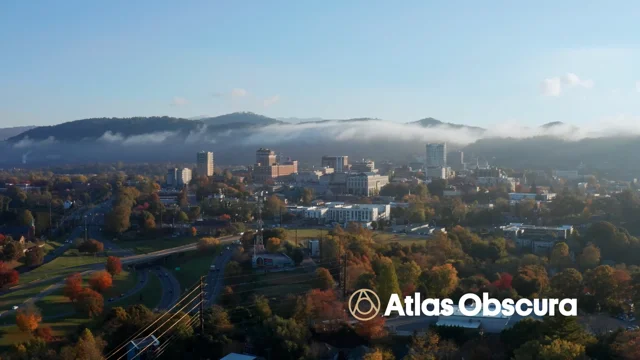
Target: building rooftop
x=469 y=324
x=145 y=342
x=234 y=356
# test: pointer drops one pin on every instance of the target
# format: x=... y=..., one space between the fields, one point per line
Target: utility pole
x=202 y=304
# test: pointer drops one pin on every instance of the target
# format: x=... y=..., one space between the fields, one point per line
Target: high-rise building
x=205 y=163
x=338 y=163
x=364 y=166
x=437 y=155
x=178 y=177
x=268 y=168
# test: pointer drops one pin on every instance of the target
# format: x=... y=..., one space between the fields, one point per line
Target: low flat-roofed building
x=272 y=261
x=538 y=238
x=235 y=356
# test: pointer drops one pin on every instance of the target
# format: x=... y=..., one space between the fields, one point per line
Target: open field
x=192 y=266
x=149 y=296
x=151 y=245
x=274 y=285
x=7 y=301
x=379 y=237
x=63 y=265
x=11 y=335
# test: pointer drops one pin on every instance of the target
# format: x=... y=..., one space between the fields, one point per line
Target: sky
x=470 y=62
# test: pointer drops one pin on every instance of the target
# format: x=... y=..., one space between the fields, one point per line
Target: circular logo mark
x=364 y=304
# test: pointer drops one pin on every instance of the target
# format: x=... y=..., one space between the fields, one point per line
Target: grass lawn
x=151 y=245
x=378 y=236
x=192 y=266
x=63 y=265
x=11 y=335
x=7 y=301
x=151 y=294
x=122 y=283
x=276 y=285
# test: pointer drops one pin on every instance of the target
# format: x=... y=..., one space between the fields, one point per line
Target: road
x=215 y=278
x=170 y=288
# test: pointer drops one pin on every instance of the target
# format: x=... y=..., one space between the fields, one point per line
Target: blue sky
x=479 y=63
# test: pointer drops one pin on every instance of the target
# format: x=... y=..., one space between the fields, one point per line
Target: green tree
x=439 y=282
x=590 y=257
x=531 y=280
x=323 y=279
x=601 y=283
x=88 y=347
x=408 y=273
x=182 y=217
x=386 y=280
x=567 y=284
x=262 y=308
x=34 y=256
x=12 y=250
x=25 y=218
x=560 y=257
x=307 y=196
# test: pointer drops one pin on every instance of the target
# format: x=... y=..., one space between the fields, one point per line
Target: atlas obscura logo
x=364 y=305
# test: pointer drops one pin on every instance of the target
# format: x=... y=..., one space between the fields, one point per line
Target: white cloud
x=236 y=93
x=551 y=87
x=271 y=100
x=179 y=101
x=554 y=86
x=638 y=86
x=572 y=79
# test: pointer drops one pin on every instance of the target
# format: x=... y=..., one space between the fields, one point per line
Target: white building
x=522 y=196
x=436 y=155
x=205 y=163
x=437 y=172
x=178 y=177
x=362 y=213
x=566 y=174
x=366 y=183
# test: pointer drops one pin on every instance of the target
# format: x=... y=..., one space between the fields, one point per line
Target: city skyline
x=481 y=65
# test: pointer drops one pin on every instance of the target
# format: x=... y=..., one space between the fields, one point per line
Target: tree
x=208 y=244
x=101 y=281
x=233 y=268
x=25 y=218
x=73 y=286
x=261 y=307
x=379 y=354
x=12 y=250
x=627 y=345
x=373 y=329
x=297 y=256
x=194 y=231
x=567 y=284
x=8 y=276
x=119 y=219
x=91 y=246
x=194 y=213
x=35 y=256
x=149 y=221
x=183 y=217
x=590 y=257
x=601 y=283
x=439 y=282
x=273 y=245
x=114 y=265
x=408 y=273
x=562 y=350
x=89 y=302
x=273 y=206
x=323 y=279
x=28 y=318
x=45 y=333
x=88 y=347
x=531 y=280
x=307 y=196
x=560 y=257
x=424 y=347
x=324 y=309
x=386 y=280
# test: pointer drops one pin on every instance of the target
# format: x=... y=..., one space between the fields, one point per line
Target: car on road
x=15 y=307
x=214 y=268
x=111 y=299
x=228 y=248
x=121 y=295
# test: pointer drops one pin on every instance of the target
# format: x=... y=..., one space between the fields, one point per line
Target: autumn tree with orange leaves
x=28 y=318
x=114 y=265
x=73 y=286
x=325 y=306
x=90 y=302
x=101 y=281
x=372 y=329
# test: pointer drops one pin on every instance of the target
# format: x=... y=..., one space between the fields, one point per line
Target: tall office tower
x=338 y=163
x=205 y=163
x=437 y=155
